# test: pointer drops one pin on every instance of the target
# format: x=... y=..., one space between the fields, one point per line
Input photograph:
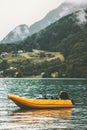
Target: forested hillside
x=67 y=36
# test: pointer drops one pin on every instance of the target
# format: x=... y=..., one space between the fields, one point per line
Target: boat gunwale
x=40 y=103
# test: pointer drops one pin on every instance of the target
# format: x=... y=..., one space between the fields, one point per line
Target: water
x=11 y=117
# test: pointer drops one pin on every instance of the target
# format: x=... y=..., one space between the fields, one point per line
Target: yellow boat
x=28 y=103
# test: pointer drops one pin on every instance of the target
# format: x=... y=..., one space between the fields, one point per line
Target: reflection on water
x=47 y=119
x=12 y=118
x=44 y=113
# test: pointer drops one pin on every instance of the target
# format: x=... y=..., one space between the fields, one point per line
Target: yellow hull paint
x=40 y=103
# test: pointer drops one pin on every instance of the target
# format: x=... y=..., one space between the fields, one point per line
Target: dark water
x=11 y=118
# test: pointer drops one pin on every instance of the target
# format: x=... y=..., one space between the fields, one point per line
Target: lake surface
x=11 y=117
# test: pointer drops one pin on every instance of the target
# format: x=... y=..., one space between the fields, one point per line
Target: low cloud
x=77 y=1
x=81 y=17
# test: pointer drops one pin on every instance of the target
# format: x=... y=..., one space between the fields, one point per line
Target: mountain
x=67 y=36
x=61 y=35
x=23 y=31
x=17 y=34
x=61 y=11
x=54 y=37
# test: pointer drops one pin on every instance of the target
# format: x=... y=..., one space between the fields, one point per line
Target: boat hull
x=28 y=103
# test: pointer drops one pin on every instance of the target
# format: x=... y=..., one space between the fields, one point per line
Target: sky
x=17 y=12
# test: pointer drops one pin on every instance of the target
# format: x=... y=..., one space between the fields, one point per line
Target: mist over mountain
x=60 y=36
x=60 y=33
x=23 y=31
x=18 y=34
x=64 y=9
x=67 y=36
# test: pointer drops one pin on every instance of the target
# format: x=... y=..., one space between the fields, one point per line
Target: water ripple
x=11 y=117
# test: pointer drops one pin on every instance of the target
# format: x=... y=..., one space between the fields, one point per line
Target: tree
x=4 y=65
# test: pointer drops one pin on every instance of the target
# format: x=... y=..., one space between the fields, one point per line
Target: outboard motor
x=63 y=95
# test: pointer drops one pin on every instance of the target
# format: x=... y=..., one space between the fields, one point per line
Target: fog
x=81 y=17
x=77 y=1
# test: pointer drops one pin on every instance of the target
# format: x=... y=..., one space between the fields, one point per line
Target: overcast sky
x=16 y=12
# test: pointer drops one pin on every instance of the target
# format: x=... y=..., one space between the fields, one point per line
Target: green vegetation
x=64 y=36
x=30 y=63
